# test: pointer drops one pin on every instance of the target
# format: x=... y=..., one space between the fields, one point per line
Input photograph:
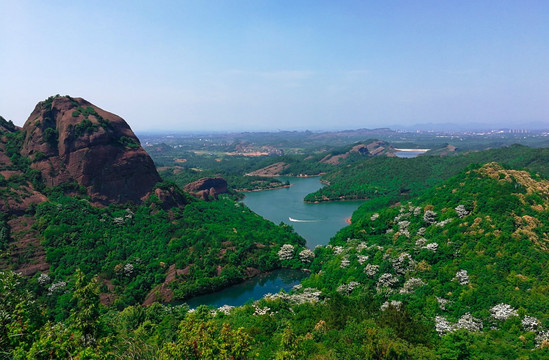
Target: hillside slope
x=388 y=180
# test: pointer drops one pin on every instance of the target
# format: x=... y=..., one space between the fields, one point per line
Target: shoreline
x=272 y=188
x=334 y=200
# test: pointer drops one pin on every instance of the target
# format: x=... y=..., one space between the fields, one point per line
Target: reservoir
x=317 y=223
x=254 y=289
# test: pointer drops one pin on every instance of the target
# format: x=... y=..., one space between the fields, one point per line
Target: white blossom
x=430 y=217
x=128 y=269
x=226 y=309
x=403 y=264
x=542 y=338
x=403 y=228
x=411 y=284
x=503 y=311
x=421 y=231
x=286 y=252
x=118 y=221
x=129 y=214
x=431 y=247
x=461 y=211
x=442 y=326
x=371 y=270
x=43 y=279
x=309 y=295
x=403 y=225
x=442 y=303
x=417 y=211
x=374 y=217
x=530 y=323
x=361 y=246
x=386 y=281
x=338 y=250
x=462 y=277
x=443 y=222
x=56 y=287
x=469 y=323
x=394 y=303
x=306 y=256
x=347 y=288
x=421 y=242
x=466 y=321
x=260 y=311
x=362 y=259
x=344 y=262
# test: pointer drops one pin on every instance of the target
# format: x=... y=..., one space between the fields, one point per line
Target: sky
x=280 y=64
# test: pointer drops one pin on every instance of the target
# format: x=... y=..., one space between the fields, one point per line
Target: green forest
x=458 y=272
x=446 y=260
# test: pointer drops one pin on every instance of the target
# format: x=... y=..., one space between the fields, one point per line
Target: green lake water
x=317 y=223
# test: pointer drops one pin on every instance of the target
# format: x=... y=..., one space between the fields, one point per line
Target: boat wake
x=302 y=221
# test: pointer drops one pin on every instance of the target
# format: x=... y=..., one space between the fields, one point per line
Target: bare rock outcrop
x=207 y=188
x=69 y=139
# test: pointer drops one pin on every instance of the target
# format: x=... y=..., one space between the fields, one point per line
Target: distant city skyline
x=281 y=65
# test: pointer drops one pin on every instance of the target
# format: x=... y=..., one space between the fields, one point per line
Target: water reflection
x=251 y=289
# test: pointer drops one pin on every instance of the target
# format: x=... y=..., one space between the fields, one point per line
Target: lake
x=409 y=154
x=254 y=289
x=317 y=223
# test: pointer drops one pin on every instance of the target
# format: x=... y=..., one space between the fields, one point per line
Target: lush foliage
x=387 y=180
x=213 y=243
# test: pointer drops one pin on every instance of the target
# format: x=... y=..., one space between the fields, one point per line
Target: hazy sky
x=268 y=65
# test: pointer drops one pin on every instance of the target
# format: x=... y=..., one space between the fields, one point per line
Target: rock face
x=69 y=139
x=207 y=187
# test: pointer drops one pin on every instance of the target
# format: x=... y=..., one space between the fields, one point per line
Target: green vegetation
x=8 y=125
x=51 y=136
x=387 y=180
x=215 y=242
x=86 y=126
x=456 y=268
x=128 y=142
x=459 y=272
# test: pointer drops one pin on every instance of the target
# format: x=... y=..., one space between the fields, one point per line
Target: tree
x=85 y=316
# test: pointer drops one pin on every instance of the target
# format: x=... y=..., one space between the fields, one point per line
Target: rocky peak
x=70 y=139
x=207 y=187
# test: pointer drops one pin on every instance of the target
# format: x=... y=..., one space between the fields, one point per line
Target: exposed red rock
x=207 y=188
x=71 y=139
x=15 y=200
x=28 y=246
x=271 y=170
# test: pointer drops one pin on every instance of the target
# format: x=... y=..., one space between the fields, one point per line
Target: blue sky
x=288 y=65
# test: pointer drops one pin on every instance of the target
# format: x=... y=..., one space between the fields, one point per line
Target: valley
x=110 y=244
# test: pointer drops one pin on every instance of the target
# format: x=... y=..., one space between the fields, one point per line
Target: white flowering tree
x=461 y=211
x=306 y=256
x=286 y=252
x=503 y=311
x=430 y=217
x=462 y=277
x=371 y=270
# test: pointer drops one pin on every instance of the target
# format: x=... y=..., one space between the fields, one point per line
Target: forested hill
x=388 y=180
x=77 y=191
x=462 y=269
x=460 y=272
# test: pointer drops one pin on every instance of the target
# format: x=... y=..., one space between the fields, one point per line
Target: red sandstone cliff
x=207 y=187
x=71 y=139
